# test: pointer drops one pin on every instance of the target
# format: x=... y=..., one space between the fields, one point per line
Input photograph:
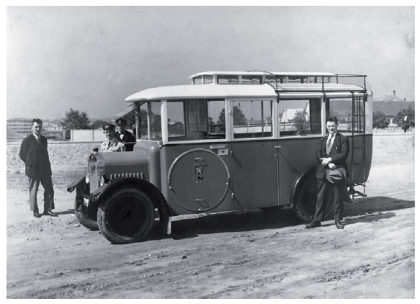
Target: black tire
x=126 y=216
x=80 y=210
x=305 y=200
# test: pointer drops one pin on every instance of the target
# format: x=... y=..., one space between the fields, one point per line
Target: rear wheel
x=126 y=216
x=305 y=200
x=80 y=210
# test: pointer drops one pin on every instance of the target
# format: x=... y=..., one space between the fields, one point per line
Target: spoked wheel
x=305 y=200
x=80 y=211
x=126 y=216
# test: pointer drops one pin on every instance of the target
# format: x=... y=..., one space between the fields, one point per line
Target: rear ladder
x=358 y=125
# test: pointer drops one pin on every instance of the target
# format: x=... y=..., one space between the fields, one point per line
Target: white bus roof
x=234 y=91
x=194 y=91
x=263 y=73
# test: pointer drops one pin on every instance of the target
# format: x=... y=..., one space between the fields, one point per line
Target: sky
x=91 y=58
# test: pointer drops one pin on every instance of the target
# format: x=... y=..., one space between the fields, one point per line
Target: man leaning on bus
x=331 y=154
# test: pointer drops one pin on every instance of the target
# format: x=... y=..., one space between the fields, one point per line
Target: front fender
x=100 y=195
x=75 y=183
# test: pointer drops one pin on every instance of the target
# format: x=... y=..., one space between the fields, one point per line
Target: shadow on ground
x=361 y=210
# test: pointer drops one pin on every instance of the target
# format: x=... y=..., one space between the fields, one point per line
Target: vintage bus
x=227 y=141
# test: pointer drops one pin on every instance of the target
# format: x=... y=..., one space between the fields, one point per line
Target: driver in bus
x=331 y=154
x=112 y=143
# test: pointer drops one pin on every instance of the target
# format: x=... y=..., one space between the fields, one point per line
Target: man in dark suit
x=34 y=153
x=331 y=154
x=125 y=136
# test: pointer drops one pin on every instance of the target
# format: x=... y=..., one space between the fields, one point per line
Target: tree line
x=77 y=120
x=380 y=121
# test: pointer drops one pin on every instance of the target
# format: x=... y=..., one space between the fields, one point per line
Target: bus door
x=253 y=157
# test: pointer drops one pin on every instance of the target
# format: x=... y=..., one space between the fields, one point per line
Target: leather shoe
x=50 y=213
x=313 y=224
x=339 y=225
x=37 y=215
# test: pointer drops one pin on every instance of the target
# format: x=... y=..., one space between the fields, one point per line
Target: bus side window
x=252 y=118
x=300 y=117
x=197 y=119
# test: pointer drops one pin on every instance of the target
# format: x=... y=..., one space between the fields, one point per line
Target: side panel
x=358 y=164
x=254 y=174
x=152 y=150
x=195 y=177
x=296 y=156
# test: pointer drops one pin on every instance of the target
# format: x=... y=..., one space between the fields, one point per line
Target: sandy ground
x=250 y=254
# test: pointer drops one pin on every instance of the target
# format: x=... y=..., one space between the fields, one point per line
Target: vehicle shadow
x=69 y=211
x=361 y=210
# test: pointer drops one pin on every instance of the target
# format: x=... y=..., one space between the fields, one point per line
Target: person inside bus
x=123 y=135
x=112 y=143
x=331 y=155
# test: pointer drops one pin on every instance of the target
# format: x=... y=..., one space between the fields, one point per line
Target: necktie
x=329 y=144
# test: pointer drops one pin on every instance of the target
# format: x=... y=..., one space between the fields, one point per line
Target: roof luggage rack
x=314 y=83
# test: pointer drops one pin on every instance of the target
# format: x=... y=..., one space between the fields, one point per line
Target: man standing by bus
x=34 y=153
x=331 y=154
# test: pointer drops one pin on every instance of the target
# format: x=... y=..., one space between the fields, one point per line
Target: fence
x=87 y=135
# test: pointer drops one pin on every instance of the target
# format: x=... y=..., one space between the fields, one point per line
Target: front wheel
x=305 y=200
x=126 y=216
x=80 y=210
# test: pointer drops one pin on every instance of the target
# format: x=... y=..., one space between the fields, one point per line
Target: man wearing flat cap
x=331 y=154
x=125 y=136
x=111 y=144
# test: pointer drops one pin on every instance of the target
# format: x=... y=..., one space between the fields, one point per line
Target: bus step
x=355 y=193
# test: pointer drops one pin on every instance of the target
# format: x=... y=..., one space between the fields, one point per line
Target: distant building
x=392 y=108
x=388 y=98
x=24 y=125
x=20 y=125
x=289 y=115
x=18 y=128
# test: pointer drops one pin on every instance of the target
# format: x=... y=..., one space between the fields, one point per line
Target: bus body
x=228 y=141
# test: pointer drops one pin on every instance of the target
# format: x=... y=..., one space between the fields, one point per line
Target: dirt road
x=250 y=254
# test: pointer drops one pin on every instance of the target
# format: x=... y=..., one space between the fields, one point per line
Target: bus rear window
x=342 y=109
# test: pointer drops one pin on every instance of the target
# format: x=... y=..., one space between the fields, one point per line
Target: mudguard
x=75 y=183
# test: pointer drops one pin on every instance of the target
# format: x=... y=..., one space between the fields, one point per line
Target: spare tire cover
x=198 y=180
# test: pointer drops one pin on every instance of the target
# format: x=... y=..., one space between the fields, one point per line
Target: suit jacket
x=128 y=139
x=339 y=152
x=35 y=156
